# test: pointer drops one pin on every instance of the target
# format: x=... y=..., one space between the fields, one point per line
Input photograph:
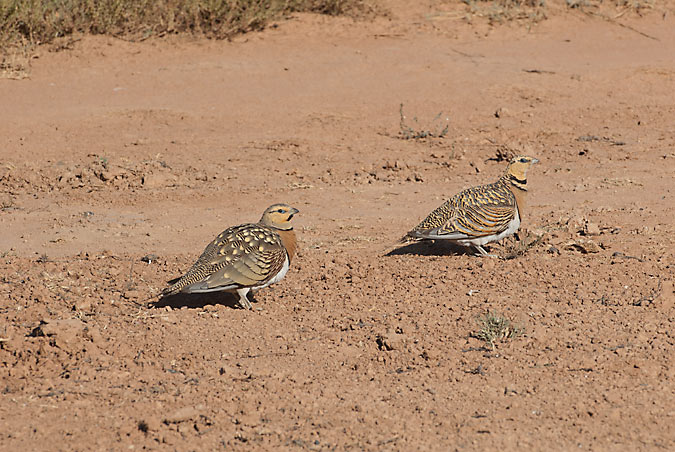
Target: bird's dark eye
x=523 y=160
x=280 y=211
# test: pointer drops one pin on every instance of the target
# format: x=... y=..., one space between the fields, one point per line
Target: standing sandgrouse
x=244 y=258
x=480 y=215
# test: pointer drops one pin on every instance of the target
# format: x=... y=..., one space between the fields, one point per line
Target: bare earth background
x=112 y=151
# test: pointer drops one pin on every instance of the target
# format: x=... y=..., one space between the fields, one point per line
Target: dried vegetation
x=25 y=24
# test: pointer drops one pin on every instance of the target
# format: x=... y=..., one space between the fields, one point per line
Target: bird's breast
x=289 y=241
x=521 y=196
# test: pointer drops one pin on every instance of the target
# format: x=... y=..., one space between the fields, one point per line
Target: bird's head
x=279 y=216
x=519 y=165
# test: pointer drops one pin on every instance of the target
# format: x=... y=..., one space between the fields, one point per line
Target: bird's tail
x=171 y=290
x=409 y=237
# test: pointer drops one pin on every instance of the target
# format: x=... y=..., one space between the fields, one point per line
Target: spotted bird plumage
x=482 y=214
x=243 y=258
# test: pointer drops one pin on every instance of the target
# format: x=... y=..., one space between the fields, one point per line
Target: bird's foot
x=245 y=304
x=483 y=253
x=243 y=300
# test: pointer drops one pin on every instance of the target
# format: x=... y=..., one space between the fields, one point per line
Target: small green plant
x=494 y=327
x=438 y=129
x=103 y=161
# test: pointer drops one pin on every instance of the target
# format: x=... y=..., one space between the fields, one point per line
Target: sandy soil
x=112 y=151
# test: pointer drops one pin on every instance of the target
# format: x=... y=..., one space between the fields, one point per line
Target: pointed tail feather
x=409 y=237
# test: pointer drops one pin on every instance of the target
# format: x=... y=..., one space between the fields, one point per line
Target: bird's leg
x=480 y=249
x=482 y=252
x=243 y=301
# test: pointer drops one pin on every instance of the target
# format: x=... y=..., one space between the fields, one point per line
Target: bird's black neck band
x=520 y=181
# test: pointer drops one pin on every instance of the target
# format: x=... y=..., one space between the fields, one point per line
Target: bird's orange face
x=519 y=165
x=279 y=216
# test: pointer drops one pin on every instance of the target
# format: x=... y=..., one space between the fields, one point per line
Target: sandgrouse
x=244 y=258
x=482 y=214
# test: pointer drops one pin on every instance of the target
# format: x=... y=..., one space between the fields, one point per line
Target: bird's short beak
x=294 y=211
x=535 y=160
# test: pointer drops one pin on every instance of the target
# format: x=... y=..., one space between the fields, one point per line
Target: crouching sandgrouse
x=480 y=215
x=244 y=258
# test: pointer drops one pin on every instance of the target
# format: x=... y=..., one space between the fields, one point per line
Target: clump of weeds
x=502 y=11
x=437 y=129
x=25 y=24
x=494 y=327
x=527 y=240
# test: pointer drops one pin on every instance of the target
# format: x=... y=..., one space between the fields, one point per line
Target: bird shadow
x=199 y=300
x=431 y=248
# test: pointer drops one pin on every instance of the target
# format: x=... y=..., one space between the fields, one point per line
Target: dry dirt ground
x=112 y=151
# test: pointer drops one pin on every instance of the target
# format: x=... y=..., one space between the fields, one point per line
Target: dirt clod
x=583 y=245
x=183 y=414
x=591 y=229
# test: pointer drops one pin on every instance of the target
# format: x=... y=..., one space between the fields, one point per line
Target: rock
x=575 y=224
x=390 y=341
x=70 y=335
x=9 y=344
x=430 y=354
x=93 y=335
x=67 y=334
x=184 y=414
x=83 y=305
x=151 y=423
x=132 y=294
x=149 y=258
x=477 y=166
x=65 y=329
x=105 y=175
x=591 y=229
x=502 y=112
x=158 y=180
x=185 y=429
x=666 y=299
x=583 y=245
